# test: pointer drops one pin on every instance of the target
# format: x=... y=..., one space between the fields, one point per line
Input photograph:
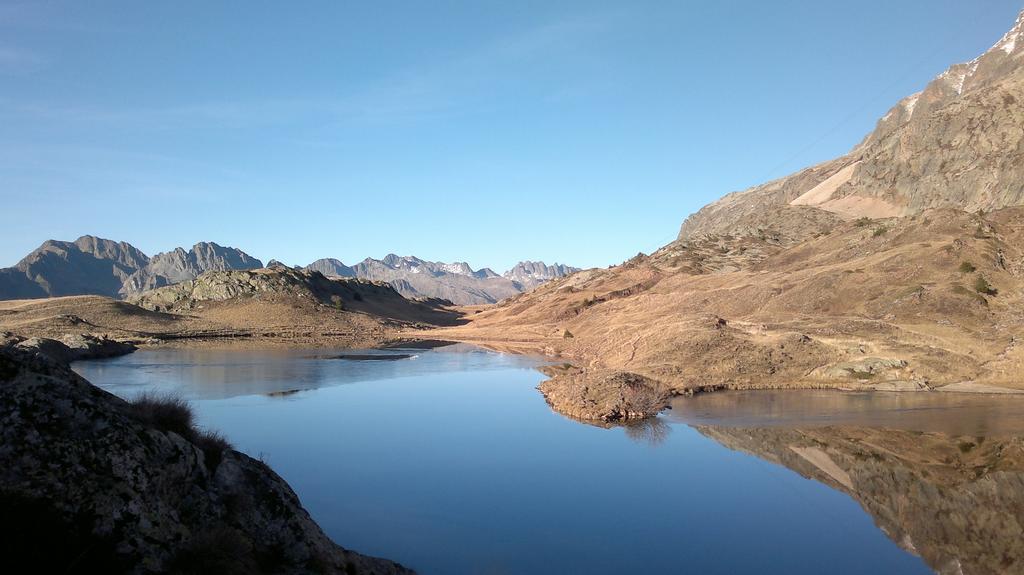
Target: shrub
x=879 y=232
x=967 y=268
x=982 y=286
x=172 y=413
x=164 y=412
x=567 y=335
x=861 y=222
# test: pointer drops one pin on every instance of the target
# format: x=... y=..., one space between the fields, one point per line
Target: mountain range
x=457 y=282
x=96 y=266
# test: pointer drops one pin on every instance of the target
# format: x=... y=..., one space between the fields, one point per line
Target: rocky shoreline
x=86 y=483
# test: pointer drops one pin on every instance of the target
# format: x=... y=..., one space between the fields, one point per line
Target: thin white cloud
x=460 y=85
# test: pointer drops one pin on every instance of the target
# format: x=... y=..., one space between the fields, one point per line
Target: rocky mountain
x=457 y=282
x=332 y=267
x=89 y=265
x=531 y=274
x=180 y=265
x=96 y=266
x=90 y=483
x=957 y=143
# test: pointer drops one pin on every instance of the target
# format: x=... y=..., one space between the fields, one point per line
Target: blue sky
x=487 y=131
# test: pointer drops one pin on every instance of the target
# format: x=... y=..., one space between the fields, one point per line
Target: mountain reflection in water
x=942 y=475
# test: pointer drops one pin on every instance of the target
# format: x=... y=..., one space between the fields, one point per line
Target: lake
x=450 y=461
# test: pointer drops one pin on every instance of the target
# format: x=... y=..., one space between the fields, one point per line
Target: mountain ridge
x=95 y=266
x=956 y=143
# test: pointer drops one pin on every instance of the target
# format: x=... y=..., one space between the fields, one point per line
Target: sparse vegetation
x=880 y=231
x=567 y=335
x=861 y=222
x=961 y=290
x=967 y=268
x=982 y=286
x=861 y=374
x=172 y=413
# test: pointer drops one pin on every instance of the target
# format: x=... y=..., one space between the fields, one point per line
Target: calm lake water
x=449 y=461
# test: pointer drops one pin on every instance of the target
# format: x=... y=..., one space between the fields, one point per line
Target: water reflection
x=221 y=374
x=653 y=431
x=450 y=462
x=941 y=475
x=949 y=413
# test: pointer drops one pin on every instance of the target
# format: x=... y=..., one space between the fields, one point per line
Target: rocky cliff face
x=531 y=274
x=958 y=143
x=89 y=483
x=95 y=266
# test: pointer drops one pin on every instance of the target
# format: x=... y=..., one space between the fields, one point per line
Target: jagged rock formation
x=957 y=502
x=96 y=266
x=531 y=274
x=456 y=282
x=87 y=484
x=958 y=143
x=180 y=265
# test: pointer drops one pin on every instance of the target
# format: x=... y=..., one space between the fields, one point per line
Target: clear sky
x=482 y=131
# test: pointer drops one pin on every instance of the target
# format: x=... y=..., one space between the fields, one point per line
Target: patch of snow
x=457 y=268
x=1008 y=43
x=911 y=102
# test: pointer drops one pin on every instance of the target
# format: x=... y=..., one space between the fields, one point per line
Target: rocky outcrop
x=179 y=265
x=958 y=143
x=87 y=482
x=282 y=299
x=228 y=285
x=603 y=395
x=71 y=347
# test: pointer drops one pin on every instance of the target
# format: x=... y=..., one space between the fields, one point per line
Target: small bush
x=879 y=232
x=967 y=268
x=567 y=335
x=982 y=286
x=213 y=445
x=861 y=222
x=173 y=413
x=164 y=412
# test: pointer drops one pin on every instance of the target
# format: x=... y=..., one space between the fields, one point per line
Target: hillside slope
x=874 y=271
